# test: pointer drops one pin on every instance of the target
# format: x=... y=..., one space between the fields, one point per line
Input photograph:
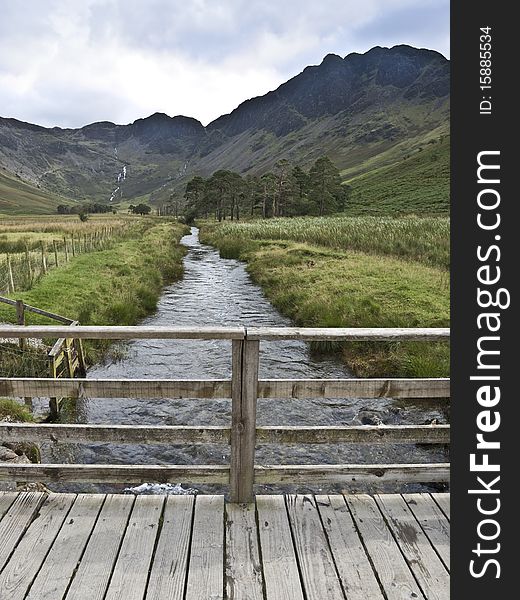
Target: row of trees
x=85 y=208
x=286 y=191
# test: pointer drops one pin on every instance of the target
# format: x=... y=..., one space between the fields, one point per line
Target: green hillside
x=419 y=183
x=19 y=197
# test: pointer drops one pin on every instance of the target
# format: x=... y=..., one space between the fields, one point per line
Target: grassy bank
x=118 y=286
x=323 y=286
x=418 y=183
x=423 y=240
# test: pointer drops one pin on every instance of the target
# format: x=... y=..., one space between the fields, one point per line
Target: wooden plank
x=6 y=500
x=243 y=420
x=364 y=434
x=243 y=567
x=58 y=568
x=169 y=567
x=130 y=574
x=354 y=388
x=94 y=571
x=365 y=334
x=443 y=500
x=318 y=572
x=221 y=388
x=25 y=562
x=16 y=520
x=427 y=567
x=392 y=570
x=118 y=434
x=384 y=473
x=354 y=568
x=206 y=566
x=281 y=576
x=115 y=473
x=433 y=523
x=117 y=332
x=115 y=388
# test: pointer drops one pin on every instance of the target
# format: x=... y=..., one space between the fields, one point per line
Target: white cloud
x=69 y=63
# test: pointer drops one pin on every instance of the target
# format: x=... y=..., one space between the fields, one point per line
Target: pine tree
x=326 y=192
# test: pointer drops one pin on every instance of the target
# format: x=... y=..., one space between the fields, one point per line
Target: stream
x=216 y=291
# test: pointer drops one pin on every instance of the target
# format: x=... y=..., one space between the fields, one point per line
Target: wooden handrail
x=115 y=332
x=37 y=311
x=94 y=332
x=244 y=389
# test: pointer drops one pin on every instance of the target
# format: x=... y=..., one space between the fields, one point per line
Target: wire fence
x=29 y=361
x=19 y=271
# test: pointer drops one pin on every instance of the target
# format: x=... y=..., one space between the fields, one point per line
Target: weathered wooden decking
x=95 y=547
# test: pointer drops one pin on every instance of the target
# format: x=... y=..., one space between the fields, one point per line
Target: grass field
x=319 y=276
x=116 y=286
x=34 y=245
x=424 y=240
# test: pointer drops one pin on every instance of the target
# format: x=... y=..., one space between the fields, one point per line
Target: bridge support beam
x=244 y=391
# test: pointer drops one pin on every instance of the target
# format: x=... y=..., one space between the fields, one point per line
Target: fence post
x=28 y=265
x=66 y=249
x=55 y=246
x=10 y=279
x=244 y=391
x=44 y=261
x=20 y=317
x=54 y=407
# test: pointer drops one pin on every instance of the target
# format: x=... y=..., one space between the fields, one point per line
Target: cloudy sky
x=73 y=62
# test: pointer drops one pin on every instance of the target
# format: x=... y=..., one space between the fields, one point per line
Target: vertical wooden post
x=73 y=249
x=10 y=279
x=20 y=317
x=44 y=261
x=66 y=249
x=54 y=407
x=55 y=246
x=67 y=349
x=29 y=267
x=244 y=392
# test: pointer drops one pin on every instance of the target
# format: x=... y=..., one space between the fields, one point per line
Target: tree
x=194 y=194
x=252 y=195
x=268 y=182
x=141 y=209
x=325 y=190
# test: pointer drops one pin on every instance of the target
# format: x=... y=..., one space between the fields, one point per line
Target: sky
x=68 y=63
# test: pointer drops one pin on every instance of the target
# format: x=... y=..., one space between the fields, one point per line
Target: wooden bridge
x=92 y=546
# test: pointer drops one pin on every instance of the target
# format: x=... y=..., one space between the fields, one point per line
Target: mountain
x=20 y=197
x=366 y=111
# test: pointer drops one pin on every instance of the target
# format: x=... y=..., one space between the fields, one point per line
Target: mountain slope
x=365 y=111
x=420 y=183
x=19 y=197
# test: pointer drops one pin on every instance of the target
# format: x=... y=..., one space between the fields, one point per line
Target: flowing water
x=216 y=291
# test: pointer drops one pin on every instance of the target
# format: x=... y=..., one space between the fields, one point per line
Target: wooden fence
x=243 y=434
x=65 y=358
x=21 y=270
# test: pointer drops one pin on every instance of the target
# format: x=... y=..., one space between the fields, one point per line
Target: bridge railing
x=244 y=388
